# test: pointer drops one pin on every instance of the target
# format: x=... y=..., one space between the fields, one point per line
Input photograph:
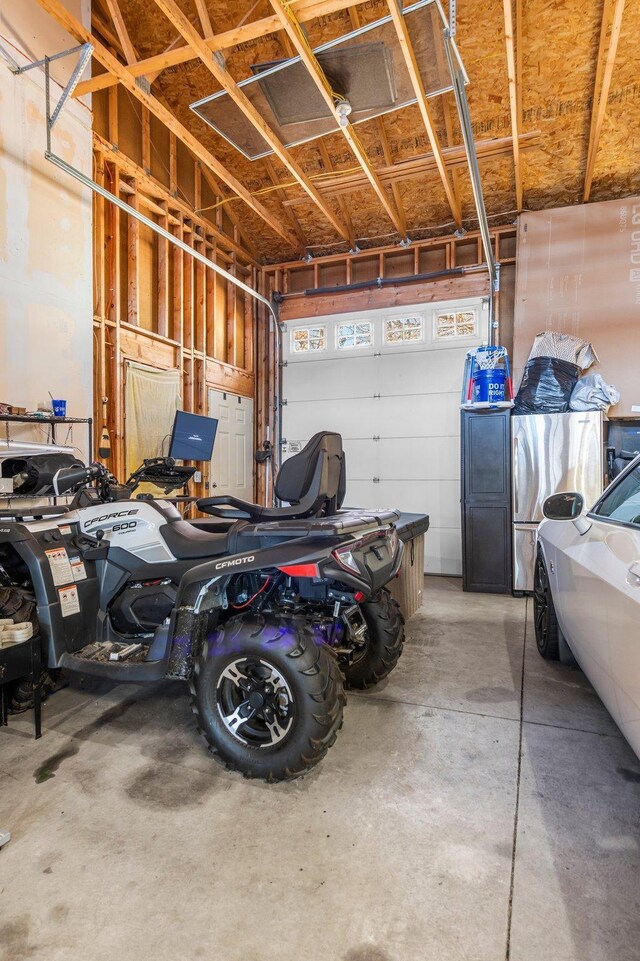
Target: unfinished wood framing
x=406 y=46
x=602 y=85
x=181 y=23
x=305 y=10
x=156 y=305
x=514 y=93
x=100 y=52
x=292 y=28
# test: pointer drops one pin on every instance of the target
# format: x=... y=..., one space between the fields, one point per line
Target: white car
x=587 y=592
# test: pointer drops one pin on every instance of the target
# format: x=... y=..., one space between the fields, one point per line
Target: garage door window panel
x=308 y=339
x=402 y=330
x=622 y=503
x=354 y=335
x=455 y=324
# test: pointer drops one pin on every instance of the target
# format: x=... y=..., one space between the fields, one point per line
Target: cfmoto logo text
x=234 y=563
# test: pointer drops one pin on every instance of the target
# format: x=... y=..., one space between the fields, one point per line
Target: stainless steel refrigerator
x=550 y=453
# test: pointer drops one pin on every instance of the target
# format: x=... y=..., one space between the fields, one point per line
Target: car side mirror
x=563 y=507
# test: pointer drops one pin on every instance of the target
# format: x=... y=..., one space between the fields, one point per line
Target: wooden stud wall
x=153 y=303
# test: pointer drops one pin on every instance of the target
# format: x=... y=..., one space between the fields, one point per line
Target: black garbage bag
x=546 y=386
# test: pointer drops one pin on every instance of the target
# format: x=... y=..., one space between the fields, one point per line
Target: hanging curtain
x=151 y=398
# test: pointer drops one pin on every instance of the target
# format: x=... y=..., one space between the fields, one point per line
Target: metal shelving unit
x=52 y=422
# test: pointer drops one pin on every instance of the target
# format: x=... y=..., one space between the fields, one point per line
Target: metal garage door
x=389 y=381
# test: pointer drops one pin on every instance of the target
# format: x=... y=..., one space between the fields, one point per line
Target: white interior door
x=232 y=461
x=390 y=382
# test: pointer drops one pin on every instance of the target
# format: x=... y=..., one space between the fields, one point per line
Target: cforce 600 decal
x=234 y=563
x=108 y=517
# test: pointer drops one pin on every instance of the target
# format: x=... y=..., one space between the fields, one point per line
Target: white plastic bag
x=593 y=393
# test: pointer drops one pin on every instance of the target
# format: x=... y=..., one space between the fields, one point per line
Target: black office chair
x=312 y=482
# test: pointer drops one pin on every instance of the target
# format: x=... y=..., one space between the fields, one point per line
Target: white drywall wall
x=46 y=299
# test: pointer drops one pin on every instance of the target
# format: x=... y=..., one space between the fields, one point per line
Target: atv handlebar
x=68 y=478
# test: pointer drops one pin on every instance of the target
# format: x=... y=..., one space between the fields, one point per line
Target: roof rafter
x=77 y=30
x=293 y=30
x=604 y=71
x=305 y=10
x=121 y=30
x=205 y=19
x=425 y=111
x=173 y=12
x=514 y=96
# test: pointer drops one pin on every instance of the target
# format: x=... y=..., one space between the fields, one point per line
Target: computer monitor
x=193 y=436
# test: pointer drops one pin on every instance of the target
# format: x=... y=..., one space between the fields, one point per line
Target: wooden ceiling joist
x=514 y=95
x=305 y=10
x=293 y=30
x=173 y=12
x=286 y=208
x=411 y=63
x=121 y=30
x=100 y=52
x=602 y=84
x=205 y=19
x=455 y=158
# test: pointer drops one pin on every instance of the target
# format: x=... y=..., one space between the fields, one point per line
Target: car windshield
x=623 y=502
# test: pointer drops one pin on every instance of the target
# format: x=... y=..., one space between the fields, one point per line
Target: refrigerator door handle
x=516 y=505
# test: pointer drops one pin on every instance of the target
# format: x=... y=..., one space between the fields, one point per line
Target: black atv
x=268 y=613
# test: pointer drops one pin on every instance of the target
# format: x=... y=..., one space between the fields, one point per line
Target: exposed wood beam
x=100 y=52
x=305 y=9
x=513 y=97
x=354 y=17
x=342 y=203
x=388 y=159
x=215 y=187
x=151 y=187
x=425 y=111
x=604 y=71
x=175 y=15
x=287 y=209
x=455 y=158
x=446 y=99
x=205 y=19
x=294 y=31
x=123 y=34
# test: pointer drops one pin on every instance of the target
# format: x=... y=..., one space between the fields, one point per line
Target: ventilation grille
x=366 y=67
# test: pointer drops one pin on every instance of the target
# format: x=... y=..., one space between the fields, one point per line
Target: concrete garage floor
x=461 y=815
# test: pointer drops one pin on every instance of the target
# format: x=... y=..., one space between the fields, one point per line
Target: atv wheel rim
x=255 y=702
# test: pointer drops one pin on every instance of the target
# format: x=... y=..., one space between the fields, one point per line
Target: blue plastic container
x=59 y=408
x=489 y=386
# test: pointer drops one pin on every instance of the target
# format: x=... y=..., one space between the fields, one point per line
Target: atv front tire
x=268 y=698
x=384 y=641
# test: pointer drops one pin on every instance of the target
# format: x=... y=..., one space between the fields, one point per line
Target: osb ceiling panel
x=559 y=49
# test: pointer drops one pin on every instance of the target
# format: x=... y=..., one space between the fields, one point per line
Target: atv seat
x=312 y=482
x=187 y=542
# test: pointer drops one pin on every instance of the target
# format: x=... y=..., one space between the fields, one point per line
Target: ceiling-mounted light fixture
x=343 y=109
x=308 y=257
x=459 y=233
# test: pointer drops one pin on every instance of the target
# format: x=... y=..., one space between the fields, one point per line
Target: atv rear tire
x=267 y=697
x=384 y=642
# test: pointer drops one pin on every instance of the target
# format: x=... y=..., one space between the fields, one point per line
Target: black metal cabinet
x=486 y=501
